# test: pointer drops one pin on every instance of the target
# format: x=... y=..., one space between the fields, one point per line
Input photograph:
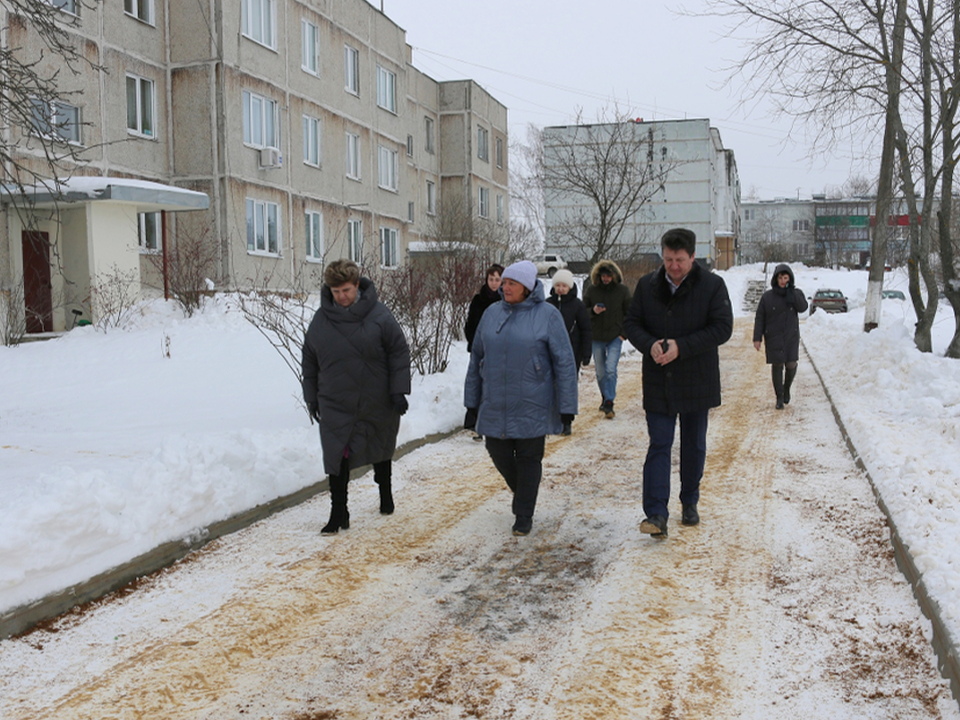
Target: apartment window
x=258 y=20
x=484 y=202
x=500 y=153
x=428 y=135
x=386 y=89
x=56 y=120
x=431 y=198
x=389 y=247
x=411 y=209
x=263 y=227
x=141 y=116
x=148 y=231
x=353 y=156
x=387 y=167
x=801 y=226
x=483 y=143
x=499 y=209
x=310 y=44
x=69 y=6
x=355 y=241
x=314 y=230
x=750 y=214
x=351 y=69
x=260 y=121
x=140 y=9
x=409 y=145
x=311 y=141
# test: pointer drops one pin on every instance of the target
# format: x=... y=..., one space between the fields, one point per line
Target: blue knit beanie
x=524 y=272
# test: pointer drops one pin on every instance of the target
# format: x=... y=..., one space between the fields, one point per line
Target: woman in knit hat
x=563 y=296
x=522 y=381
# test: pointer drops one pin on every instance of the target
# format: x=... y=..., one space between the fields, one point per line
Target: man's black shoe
x=655 y=525
x=523 y=525
x=690 y=516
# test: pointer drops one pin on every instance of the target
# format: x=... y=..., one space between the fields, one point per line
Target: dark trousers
x=521 y=464
x=656 y=468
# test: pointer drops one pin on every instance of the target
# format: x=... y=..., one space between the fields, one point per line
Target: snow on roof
x=148 y=196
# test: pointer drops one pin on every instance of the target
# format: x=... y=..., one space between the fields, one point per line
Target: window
x=140 y=111
x=483 y=143
x=314 y=230
x=260 y=121
x=351 y=70
x=56 y=120
x=69 y=6
x=500 y=153
x=500 y=209
x=310 y=44
x=353 y=156
x=428 y=135
x=386 y=89
x=355 y=241
x=311 y=140
x=388 y=247
x=801 y=226
x=750 y=214
x=387 y=167
x=257 y=18
x=484 y=202
x=148 y=231
x=431 y=198
x=140 y=9
x=263 y=227
x=411 y=210
x=409 y=145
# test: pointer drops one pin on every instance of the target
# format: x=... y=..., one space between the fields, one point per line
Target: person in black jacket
x=356 y=376
x=679 y=317
x=488 y=295
x=563 y=296
x=778 y=325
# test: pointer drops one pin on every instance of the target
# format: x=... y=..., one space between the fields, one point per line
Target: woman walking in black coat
x=563 y=296
x=488 y=295
x=778 y=325
x=356 y=375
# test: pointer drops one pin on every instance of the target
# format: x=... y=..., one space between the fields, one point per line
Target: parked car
x=829 y=300
x=893 y=295
x=549 y=264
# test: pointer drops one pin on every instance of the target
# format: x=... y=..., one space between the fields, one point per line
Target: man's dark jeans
x=521 y=464
x=656 y=468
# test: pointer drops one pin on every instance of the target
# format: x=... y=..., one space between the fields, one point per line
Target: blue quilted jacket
x=522 y=374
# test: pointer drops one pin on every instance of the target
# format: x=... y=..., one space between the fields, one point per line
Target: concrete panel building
x=304 y=122
x=700 y=191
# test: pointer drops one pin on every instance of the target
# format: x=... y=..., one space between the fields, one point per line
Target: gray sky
x=544 y=59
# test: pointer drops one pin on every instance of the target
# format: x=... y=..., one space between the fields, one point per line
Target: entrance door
x=37 y=290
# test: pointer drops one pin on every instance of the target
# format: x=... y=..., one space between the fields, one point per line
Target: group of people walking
x=526 y=350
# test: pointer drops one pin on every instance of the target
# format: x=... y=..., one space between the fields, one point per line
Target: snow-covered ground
x=113 y=443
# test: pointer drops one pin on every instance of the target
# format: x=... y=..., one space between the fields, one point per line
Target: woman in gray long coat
x=522 y=381
x=778 y=324
x=356 y=374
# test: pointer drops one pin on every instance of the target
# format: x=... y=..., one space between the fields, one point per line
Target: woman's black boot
x=776 y=370
x=339 y=516
x=382 y=474
x=787 y=382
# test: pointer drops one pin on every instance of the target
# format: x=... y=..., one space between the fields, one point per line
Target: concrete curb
x=943 y=641
x=21 y=619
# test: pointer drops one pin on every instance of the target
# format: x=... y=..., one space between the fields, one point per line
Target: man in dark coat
x=607 y=300
x=679 y=316
x=777 y=323
x=356 y=374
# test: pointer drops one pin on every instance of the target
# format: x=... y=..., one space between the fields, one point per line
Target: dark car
x=893 y=295
x=828 y=300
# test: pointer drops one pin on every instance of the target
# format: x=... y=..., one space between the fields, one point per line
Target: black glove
x=567 y=418
x=470 y=419
x=314 y=411
x=399 y=402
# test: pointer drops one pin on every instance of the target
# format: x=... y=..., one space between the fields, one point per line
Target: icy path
x=784 y=603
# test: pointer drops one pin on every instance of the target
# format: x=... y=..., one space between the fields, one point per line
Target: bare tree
x=598 y=179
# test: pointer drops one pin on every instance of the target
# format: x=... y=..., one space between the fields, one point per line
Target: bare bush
x=13 y=322
x=191 y=266
x=114 y=297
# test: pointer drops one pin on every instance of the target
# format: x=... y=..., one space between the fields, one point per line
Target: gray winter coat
x=354 y=359
x=777 y=322
x=522 y=374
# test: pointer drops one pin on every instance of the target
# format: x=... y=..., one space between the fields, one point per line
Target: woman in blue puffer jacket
x=522 y=381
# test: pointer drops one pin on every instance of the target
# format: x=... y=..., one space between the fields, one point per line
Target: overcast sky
x=545 y=59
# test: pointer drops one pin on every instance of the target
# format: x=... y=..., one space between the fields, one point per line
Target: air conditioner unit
x=270 y=158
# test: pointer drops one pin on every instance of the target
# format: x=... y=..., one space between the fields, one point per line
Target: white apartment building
x=701 y=191
x=295 y=131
